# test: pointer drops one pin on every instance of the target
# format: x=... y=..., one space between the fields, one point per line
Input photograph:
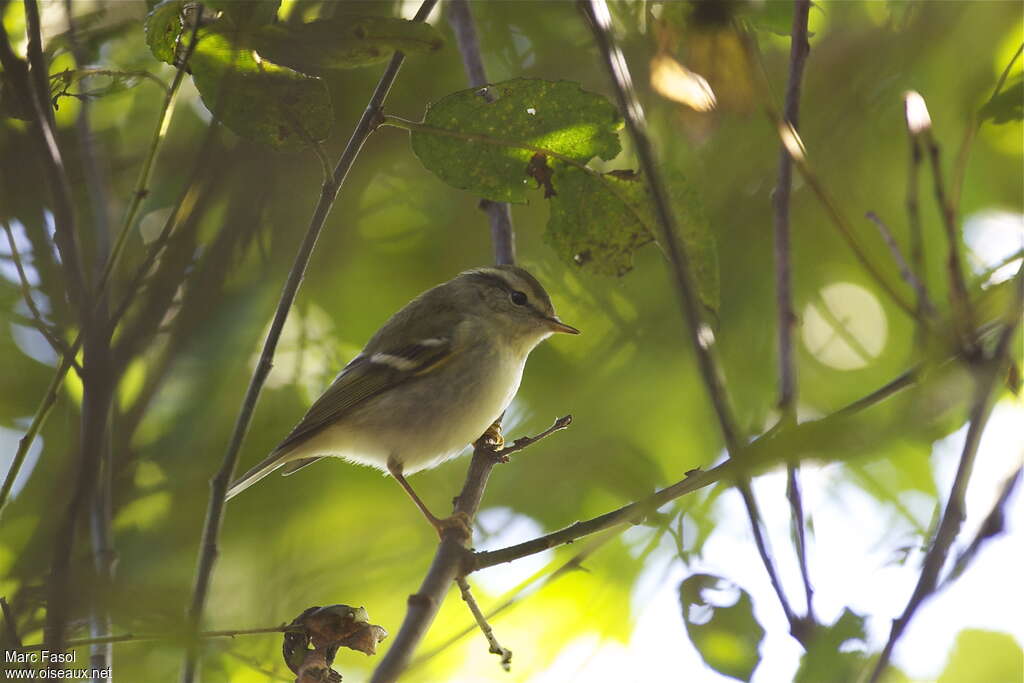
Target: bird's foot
x=459 y=523
x=493 y=437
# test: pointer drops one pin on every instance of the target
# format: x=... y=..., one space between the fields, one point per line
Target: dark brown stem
x=959 y=299
x=787 y=320
x=11 y=637
x=460 y=18
x=916 y=232
x=368 y=122
x=481 y=621
x=986 y=381
x=450 y=561
x=596 y=11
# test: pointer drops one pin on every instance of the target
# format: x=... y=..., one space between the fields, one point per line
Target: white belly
x=427 y=420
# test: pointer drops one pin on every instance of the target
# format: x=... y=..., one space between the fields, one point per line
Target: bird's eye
x=518 y=298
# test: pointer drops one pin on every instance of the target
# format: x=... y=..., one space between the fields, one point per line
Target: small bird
x=438 y=375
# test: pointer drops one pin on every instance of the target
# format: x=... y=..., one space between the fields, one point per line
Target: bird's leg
x=493 y=438
x=459 y=521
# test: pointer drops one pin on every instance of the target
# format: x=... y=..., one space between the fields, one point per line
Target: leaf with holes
x=163 y=26
x=486 y=146
x=344 y=43
x=727 y=636
x=259 y=100
x=598 y=220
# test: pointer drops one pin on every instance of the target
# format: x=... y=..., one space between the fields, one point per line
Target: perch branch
x=914 y=216
x=368 y=122
x=485 y=628
x=460 y=18
x=599 y=18
x=953 y=515
x=449 y=561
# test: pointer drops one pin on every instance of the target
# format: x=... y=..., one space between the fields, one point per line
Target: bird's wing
x=369 y=374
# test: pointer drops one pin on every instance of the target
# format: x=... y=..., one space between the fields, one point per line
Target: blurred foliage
x=336 y=533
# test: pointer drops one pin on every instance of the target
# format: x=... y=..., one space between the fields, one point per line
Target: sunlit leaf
x=727 y=636
x=344 y=43
x=487 y=146
x=163 y=26
x=257 y=99
x=984 y=656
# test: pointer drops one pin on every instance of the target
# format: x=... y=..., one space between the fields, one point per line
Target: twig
x=973 y=125
x=953 y=515
x=460 y=17
x=599 y=18
x=787 y=320
x=993 y=525
x=368 y=122
x=522 y=442
x=959 y=299
x=54 y=340
x=924 y=303
x=138 y=638
x=66 y=233
x=450 y=560
x=11 y=627
x=485 y=628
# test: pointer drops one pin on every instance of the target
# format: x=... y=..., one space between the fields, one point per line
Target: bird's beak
x=557 y=325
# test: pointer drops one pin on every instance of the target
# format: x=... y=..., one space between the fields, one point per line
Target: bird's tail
x=258 y=472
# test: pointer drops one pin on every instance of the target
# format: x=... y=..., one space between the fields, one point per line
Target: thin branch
x=953 y=515
x=450 y=560
x=960 y=169
x=485 y=628
x=368 y=122
x=10 y=625
x=959 y=299
x=634 y=513
x=924 y=303
x=787 y=320
x=154 y=637
x=993 y=525
x=52 y=338
x=599 y=18
x=460 y=17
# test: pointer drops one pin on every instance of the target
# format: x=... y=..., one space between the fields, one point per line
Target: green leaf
x=486 y=146
x=163 y=26
x=984 y=656
x=599 y=219
x=1006 y=106
x=259 y=100
x=727 y=636
x=247 y=13
x=344 y=43
x=824 y=662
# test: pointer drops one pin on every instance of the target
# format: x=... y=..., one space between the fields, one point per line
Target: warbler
x=438 y=375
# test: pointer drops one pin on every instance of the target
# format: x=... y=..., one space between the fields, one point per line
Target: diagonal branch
x=596 y=11
x=368 y=122
x=953 y=515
